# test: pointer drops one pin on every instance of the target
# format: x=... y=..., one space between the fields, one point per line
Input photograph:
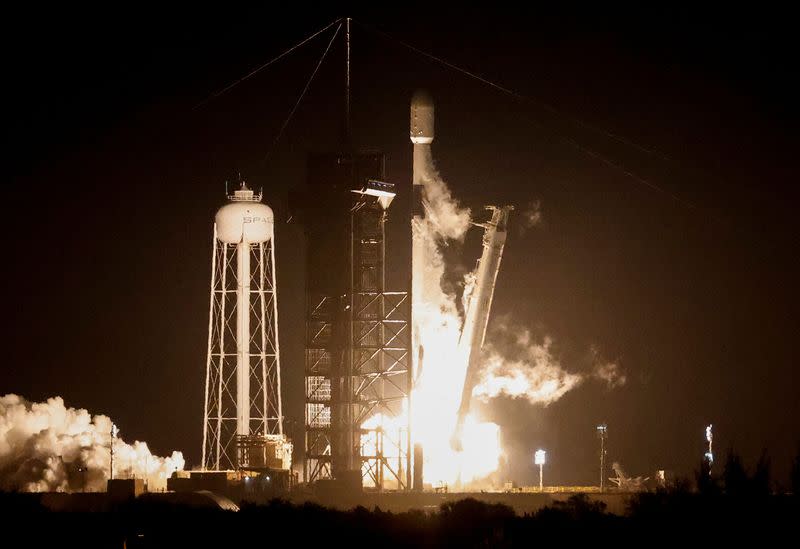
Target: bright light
x=539 y=457
x=114 y=430
x=602 y=428
x=440 y=361
x=710 y=454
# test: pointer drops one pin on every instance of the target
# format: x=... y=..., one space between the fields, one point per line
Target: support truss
x=265 y=413
x=357 y=363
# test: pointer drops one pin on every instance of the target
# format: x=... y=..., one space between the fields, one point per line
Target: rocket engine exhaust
x=478 y=301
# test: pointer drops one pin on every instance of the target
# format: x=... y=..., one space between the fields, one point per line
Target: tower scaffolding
x=357 y=332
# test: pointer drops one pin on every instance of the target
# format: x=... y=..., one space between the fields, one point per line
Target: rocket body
x=478 y=307
x=421 y=136
x=421 y=133
x=421 y=118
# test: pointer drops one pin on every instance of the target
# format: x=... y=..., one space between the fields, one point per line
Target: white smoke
x=534 y=373
x=445 y=219
x=532 y=215
x=46 y=446
x=610 y=373
x=470 y=279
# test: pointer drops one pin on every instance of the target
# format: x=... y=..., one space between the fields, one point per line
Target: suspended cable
x=303 y=93
x=589 y=152
x=265 y=65
x=547 y=106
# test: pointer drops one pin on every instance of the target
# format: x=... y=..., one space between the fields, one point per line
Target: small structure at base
x=122 y=489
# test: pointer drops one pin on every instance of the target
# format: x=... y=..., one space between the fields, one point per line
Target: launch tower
x=358 y=341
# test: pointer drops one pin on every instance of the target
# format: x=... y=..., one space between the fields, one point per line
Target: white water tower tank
x=245 y=219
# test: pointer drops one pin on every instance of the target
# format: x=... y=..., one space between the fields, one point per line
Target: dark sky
x=111 y=180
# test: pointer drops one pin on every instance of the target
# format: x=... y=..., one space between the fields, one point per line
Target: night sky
x=111 y=180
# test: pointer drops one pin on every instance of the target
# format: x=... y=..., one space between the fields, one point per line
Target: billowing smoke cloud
x=528 y=369
x=535 y=374
x=611 y=374
x=445 y=219
x=531 y=216
x=46 y=446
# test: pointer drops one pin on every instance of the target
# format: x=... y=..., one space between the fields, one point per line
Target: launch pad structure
x=358 y=335
x=362 y=350
x=359 y=359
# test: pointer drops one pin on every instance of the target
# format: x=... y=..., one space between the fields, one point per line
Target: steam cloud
x=46 y=446
x=533 y=373
x=532 y=215
x=611 y=374
x=445 y=219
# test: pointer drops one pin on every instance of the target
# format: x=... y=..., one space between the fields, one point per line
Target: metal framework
x=229 y=291
x=381 y=368
x=380 y=352
x=320 y=351
x=358 y=359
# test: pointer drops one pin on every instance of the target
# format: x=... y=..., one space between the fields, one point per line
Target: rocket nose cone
x=421 y=98
x=421 y=118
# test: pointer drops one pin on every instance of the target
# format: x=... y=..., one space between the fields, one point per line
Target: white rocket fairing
x=421 y=118
x=421 y=137
x=478 y=307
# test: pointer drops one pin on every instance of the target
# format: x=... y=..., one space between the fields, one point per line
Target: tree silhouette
x=760 y=484
x=734 y=475
x=706 y=484
x=795 y=474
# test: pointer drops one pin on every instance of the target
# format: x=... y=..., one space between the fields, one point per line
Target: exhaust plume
x=48 y=447
x=445 y=218
x=534 y=373
x=611 y=374
x=443 y=364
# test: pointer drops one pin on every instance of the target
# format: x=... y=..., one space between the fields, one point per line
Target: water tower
x=243 y=420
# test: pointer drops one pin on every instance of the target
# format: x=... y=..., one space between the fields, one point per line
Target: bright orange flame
x=443 y=365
